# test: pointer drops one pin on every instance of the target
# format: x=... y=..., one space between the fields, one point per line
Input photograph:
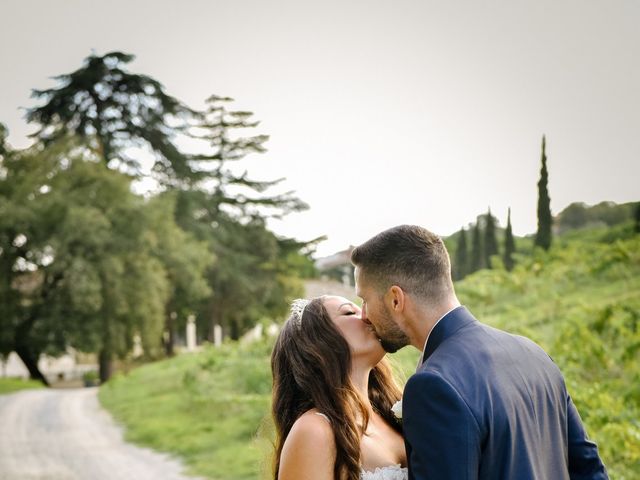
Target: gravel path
x=66 y=435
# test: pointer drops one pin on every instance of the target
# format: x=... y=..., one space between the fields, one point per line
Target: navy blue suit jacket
x=486 y=404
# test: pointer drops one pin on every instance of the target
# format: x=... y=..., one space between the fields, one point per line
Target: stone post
x=217 y=335
x=191 y=333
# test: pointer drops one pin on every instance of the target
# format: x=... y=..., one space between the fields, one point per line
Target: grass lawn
x=8 y=385
x=208 y=408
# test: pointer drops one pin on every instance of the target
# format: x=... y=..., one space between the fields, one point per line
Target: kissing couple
x=483 y=404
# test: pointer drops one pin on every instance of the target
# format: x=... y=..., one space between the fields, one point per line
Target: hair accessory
x=297 y=309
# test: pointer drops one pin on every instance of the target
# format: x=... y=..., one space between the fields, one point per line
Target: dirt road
x=65 y=435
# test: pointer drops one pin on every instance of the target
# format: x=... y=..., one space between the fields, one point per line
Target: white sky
x=379 y=112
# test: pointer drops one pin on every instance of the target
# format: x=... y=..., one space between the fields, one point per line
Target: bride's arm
x=309 y=452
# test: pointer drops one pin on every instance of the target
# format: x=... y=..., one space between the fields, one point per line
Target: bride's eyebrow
x=348 y=303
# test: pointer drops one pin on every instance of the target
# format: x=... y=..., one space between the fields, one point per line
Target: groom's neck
x=426 y=318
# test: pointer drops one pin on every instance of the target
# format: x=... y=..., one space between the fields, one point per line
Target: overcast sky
x=379 y=112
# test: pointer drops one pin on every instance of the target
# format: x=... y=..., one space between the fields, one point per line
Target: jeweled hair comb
x=297 y=310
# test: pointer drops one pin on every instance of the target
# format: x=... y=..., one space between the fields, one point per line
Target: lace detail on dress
x=392 y=472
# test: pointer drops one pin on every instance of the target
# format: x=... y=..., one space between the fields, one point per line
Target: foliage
x=115 y=110
x=87 y=262
x=545 y=220
x=490 y=240
x=255 y=276
x=228 y=190
x=10 y=385
x=255 y=272
x=199 y=246
x=509 y=245
x=580 y=215
x=460 y=264
x=477 y=257
x=187 y=262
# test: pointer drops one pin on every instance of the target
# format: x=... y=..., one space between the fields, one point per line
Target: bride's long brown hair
x=310 y=363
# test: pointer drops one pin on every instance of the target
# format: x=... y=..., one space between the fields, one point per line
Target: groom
x=483 y=404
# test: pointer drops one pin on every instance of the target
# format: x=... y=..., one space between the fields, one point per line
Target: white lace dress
x=392 y=472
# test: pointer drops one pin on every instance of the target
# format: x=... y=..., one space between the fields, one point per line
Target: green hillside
x=580 y=301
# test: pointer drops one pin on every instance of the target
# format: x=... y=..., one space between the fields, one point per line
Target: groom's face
x=378 y=314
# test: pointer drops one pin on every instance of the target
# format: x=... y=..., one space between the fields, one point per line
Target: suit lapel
x=450 y=324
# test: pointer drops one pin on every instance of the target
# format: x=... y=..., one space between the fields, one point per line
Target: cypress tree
x=637 y=218
x=509 y=245
x=490 y=241
x=462 y=256
x=543 y=235
x=476 y=249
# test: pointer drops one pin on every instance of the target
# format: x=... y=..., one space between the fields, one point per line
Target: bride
x=332 y=397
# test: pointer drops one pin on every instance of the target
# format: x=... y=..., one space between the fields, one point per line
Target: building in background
x=337 y=267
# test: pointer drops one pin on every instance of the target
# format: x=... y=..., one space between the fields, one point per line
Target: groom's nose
x=363 y=315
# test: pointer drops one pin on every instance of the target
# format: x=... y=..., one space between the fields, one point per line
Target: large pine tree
x=543 y=235
x=490 y=241
x=509 y=245
x=114 y=110
x=461 y=265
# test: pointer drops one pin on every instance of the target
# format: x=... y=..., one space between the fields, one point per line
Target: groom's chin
x=390 y=347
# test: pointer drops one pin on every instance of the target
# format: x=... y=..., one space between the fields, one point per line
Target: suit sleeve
x=584 y=461
x=442 y=435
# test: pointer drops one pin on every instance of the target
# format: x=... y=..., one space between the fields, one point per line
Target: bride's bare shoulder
x=309 y=448
x=311 y=424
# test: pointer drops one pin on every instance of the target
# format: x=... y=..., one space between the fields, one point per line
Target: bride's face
x=360 y=336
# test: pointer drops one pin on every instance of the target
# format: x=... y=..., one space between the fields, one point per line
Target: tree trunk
x=106 y=365
x=234 y=330
x=30 y=360
x=25 y=352
x=170 y=340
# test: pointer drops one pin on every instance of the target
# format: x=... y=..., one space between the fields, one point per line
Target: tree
x=477 y=257
x=24 y=288
x=114 y=110
x=490 y=240
x=187 y=262
x=4 y=148
x=637 y=217
x=228 y=187
x=543 y=234
x=509 y=245
x=227 y=211
x=81 y=259
x=574 y=216
x=461 y=266
x=255 y=276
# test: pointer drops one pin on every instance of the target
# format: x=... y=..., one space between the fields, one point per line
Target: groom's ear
x=397 y=299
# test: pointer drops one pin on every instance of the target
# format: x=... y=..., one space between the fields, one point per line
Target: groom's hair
x=408 y=256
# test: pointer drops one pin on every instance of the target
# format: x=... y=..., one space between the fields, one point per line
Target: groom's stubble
x=391 y=337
